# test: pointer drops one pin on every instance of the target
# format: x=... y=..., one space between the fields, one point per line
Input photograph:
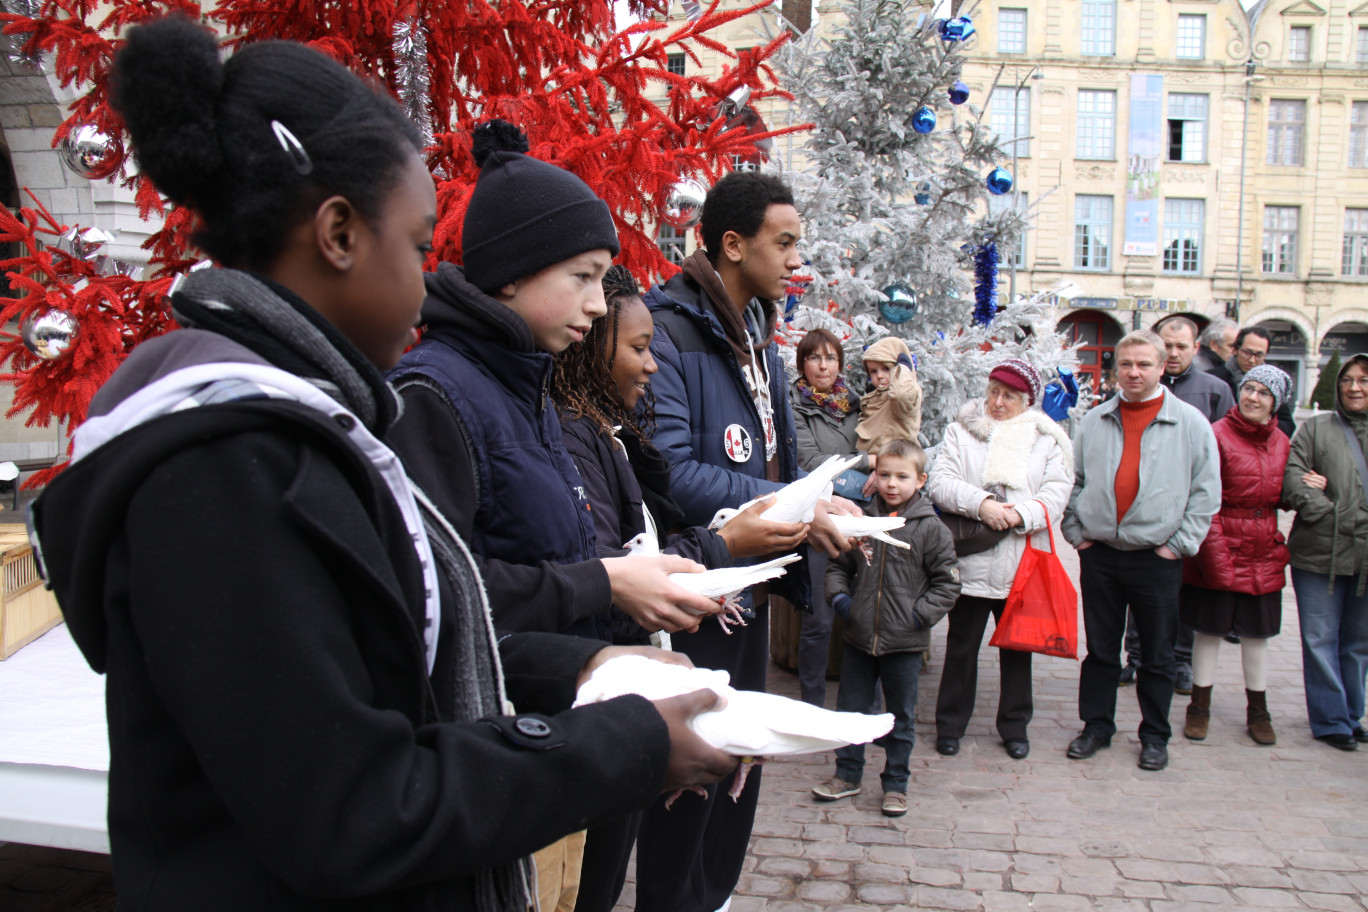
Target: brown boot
x=1198 y=714
x=1257 y=718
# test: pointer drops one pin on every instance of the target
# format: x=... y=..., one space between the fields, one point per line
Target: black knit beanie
x=525 y=214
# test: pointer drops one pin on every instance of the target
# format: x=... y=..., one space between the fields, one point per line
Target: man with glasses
x=1251 y=350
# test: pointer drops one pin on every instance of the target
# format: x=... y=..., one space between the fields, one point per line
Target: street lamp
x=1249 y=79
x=1033 y=74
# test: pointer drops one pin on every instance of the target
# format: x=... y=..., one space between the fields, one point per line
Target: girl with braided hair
x=601 y=387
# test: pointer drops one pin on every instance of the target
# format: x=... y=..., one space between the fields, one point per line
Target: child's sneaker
x=836 y=787
x=894 y=804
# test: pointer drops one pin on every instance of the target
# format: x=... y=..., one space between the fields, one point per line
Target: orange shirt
x=1135 y=417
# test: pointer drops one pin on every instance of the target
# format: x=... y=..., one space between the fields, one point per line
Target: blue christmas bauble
x=959 y=93
x=899 y=304
x=999 y=181
x=924 y=121
x=923 y=194
x=957 y=29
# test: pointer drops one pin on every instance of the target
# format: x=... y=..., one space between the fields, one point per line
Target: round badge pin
x=737 y=443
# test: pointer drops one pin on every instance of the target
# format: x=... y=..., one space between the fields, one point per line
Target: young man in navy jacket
x=724 y=423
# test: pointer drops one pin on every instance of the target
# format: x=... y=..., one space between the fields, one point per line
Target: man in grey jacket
x=1146 y=485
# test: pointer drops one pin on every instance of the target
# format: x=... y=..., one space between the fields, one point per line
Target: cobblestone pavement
x=1229 y=825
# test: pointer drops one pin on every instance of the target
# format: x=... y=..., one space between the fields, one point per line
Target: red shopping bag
x=1041 y=614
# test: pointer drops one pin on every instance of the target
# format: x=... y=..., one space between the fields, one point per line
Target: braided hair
x=583 y=380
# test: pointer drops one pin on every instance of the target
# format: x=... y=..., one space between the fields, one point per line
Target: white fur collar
x=1010 y=442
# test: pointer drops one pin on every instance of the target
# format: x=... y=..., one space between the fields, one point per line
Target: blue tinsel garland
x=985 y=288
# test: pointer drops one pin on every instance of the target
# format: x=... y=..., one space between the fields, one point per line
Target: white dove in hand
x=722 y=584
x=870 y=527
x=795 y=502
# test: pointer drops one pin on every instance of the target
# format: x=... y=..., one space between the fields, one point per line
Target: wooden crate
x=27 y=608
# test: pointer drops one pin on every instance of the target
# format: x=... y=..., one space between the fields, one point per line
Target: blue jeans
x=1334 y=635
x=899 y=672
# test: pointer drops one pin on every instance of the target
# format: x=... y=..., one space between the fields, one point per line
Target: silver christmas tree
x=894 y=190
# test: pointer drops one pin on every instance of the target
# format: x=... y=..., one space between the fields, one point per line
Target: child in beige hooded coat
x=892 y=409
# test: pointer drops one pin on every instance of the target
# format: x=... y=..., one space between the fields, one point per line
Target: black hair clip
x=293 y=147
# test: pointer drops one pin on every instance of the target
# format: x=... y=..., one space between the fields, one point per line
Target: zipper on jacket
x=878 y=600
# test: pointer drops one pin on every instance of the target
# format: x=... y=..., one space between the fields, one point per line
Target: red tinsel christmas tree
x=556 y=68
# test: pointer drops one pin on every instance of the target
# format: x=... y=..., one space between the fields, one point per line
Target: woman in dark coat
x=597 y=386
x=825 y=415
x=308 y=707
x=1241 y=567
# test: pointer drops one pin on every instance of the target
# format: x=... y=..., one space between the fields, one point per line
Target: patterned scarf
x=838 y=401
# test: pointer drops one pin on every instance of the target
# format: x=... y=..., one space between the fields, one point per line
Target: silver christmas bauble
x=49 y=334
x=684 y=204
x=90 y=153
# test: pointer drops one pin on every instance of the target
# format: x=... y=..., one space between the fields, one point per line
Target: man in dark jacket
x=1216 y=344
x=724 y=423
x=1251 y=348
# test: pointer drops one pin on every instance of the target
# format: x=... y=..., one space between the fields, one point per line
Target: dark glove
x=841 y=605
x=907 y=362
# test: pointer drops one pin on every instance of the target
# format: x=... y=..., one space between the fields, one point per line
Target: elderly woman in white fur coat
x=1001 y=445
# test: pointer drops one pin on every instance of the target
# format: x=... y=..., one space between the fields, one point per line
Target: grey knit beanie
x=526 y=214
x=1276 y=381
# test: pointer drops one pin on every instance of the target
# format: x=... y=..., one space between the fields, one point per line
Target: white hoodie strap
x=205 y=384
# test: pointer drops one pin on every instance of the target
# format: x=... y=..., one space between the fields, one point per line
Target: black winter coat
x=243 y=578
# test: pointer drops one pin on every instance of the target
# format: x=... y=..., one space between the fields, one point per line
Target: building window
x=1299 y=44
x=674 y=63
x=1011 y=31
x=1191 y=37
x=1187 y=116
x=670 y=240
x=1361 y=49
x=999 y=204
x=1286 y=120
x=1280 y=240
x=1099 y=28
x=1183 y=236
x=1092 y=232
x=1096 y=124
x=1355 y=242
x=1358 y=135
x=1010 y=118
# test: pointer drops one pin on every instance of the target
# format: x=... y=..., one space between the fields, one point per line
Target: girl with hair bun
x=308 y=706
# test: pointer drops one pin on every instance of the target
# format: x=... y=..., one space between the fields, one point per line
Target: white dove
x=794 y=502
x=722 y=584
x=746 y=724
x=870 y=527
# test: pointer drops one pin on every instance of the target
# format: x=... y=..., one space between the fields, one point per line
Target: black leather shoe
x=947 y=747
x=1127 y=676
x=1085 y=745
x=1017 y=748
x=1359 y=735
x=1232 y=639
x=1153 y=756
x=1343 y=742
x=1182 y=680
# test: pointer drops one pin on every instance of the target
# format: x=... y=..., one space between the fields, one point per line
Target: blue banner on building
x=1142 y=169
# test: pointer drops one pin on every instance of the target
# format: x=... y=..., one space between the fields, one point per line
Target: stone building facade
x=1177 y=156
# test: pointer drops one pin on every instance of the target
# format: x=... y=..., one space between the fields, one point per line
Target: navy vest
x=532 y=506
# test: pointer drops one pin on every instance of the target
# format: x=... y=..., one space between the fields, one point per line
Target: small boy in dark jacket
x=891 y=598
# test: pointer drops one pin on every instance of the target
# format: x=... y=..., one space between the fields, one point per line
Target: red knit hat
x=1020 y=376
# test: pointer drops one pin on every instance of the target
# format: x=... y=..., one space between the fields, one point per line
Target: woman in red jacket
x=1242 y=564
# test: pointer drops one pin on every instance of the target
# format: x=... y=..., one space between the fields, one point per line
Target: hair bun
x=497 y=136
x=165 y=83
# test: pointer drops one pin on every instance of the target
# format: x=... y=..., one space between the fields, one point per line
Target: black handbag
x=971 y=534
